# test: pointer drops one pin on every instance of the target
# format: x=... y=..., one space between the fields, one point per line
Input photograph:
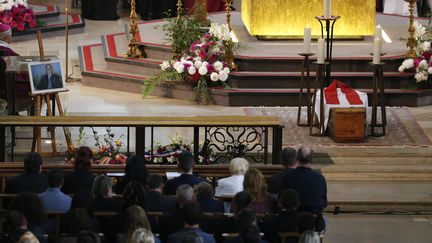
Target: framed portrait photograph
x=46 y=77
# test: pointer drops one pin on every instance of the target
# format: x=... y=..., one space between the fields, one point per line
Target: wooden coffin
x=347 y=125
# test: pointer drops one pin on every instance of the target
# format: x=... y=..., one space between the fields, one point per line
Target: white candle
x=378 y=32
x=321 y=51
x=327 y=8
x=307 y=39
x=377 y=51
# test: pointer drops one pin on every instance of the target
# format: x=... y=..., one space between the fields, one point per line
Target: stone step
x=146 y=67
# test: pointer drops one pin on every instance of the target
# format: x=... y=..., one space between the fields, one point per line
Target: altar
x=287 y=18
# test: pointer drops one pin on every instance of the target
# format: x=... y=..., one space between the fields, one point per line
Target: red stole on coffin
x=331 y=96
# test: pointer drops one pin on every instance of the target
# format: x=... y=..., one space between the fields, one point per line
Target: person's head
x=49 y=69
x=305 y=155
x=305 y=221
x=192 y=236
x=203 y=190
x=5 y=33
x=28 y=237
x=184 y=193
x=288 y=158
x=16 y=221
x=241 y=200
x=136 y=218
x=102 y=187
x=255 y=184
x=155 y=183
x=87 y=237
x=244 y=218
x=185 y=162
x=136 y=169
x=134 y=194
x=30 y=205
x=250 y=234
x=77 y=220
x=289 y=199
x=83 y=159
x=192 y=213
x=33 y=163
x=142 y=235
x=309 y=237
x=238 y=166
x=55 y=178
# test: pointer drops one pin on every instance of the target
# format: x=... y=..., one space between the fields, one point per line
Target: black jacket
x=189 y=179
x=27 y=182
x=274 y=182
x=159 y=203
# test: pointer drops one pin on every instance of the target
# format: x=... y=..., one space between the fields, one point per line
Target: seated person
x=251 y=234
x=255 y=184
x=53 y=199
x=31 y=180
x=287 y=158
x=135 y=170
x=102 y=195
x=156 y=202
x=204 y=194
x=142 y=235
x=233 y=184
x=5 y=39
x=76 y=221
x=87 y=237
x=192 y=214
x=244 y=220
x=185 y=166
x=16 y=226
x=285 y=221
x=306 y=222
x=309 y=237
x=136 y=218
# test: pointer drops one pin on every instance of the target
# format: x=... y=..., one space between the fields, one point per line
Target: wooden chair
x=56 y=216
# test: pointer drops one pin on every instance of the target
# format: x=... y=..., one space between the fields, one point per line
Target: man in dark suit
x=285 y=221
x=185 y=166
x=205 y=197
x=155 y=201
x=287 y=159
x=50 y=80
x=31 y=180
x=310 y=185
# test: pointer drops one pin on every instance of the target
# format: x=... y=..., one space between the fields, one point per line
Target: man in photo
x=50 y=80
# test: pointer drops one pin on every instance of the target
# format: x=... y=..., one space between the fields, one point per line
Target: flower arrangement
x=168 y=154
x=202 y=65
x=422 y=63
x=17 y=15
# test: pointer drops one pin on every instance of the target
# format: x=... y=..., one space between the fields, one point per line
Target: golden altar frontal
x=287 y=18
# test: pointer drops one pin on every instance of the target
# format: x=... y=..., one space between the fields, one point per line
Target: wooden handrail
x=128 y=121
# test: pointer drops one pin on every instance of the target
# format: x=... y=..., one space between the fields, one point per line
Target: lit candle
x=327 y=8
x=377 y=51
x=321 y=51
x=307 y=39
x=378 y=32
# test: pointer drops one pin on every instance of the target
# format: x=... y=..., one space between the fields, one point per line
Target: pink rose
x=32 y=24
x=13 y=24
x=427 y=55
x=27 y=17
x=21 y=26
x=416 y=62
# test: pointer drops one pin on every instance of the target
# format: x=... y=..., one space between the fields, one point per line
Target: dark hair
x=192 y=236
x=185 y=161
x=55 y=177
x=192 y=212
x=203 y=190
x=30 y=205
x=305 y=155
x=245 y=218
x=288 y=156
x=154 y=182
x=289 y=199
x=136 y=169
x=134 y=194
x=241 y=200
x=250 y=234
x=33 y=162
x=76 y=221
x=87 y=237
x=305 y=221
x=83 y=159
x=15 y=220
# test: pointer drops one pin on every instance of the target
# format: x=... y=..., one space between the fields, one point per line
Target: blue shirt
x=55 y=200
x=178 y=237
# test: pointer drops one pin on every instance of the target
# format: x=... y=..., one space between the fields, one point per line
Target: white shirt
x=230 y=185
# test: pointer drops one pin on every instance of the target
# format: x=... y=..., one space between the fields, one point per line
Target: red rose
x=194 y=77
x=427 y=55
x=13 y=24
x=21 y=26
x=27 y=17
x=32 y=24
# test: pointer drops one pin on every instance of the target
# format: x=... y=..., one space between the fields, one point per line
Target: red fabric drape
x=331 y=97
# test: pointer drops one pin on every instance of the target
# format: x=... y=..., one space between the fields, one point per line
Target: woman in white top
x=233 y=184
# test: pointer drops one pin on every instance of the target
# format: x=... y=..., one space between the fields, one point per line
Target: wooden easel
x=37 y=138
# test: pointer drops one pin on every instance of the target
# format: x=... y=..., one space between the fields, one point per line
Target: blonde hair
x=136 y=218
x=238 y=166
x=255 y=184
x=142 y=235
x=28 y=237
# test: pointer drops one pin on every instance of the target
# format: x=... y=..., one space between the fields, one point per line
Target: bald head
x=305 y=155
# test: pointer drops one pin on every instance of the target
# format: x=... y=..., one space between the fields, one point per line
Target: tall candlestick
x=307 y=39
x=327 y=8
x=377 y=51
x=321 y=51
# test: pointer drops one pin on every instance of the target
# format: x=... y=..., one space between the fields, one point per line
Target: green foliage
x=151 y=83
x=202 y=94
